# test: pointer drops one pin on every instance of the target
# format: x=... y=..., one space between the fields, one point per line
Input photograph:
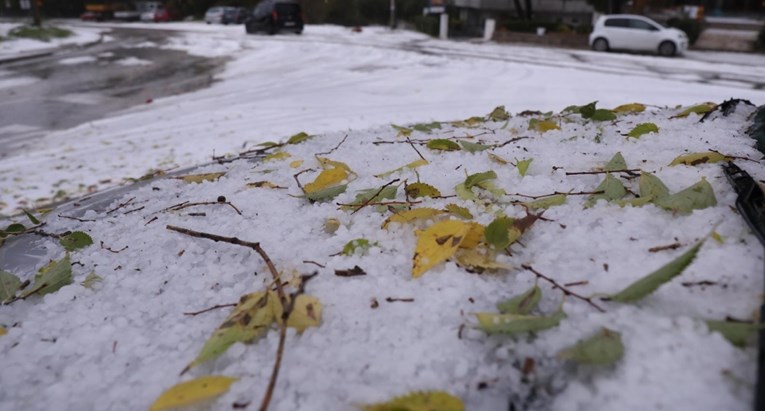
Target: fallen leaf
x=492 y=323
x=473 y=236
x=192 y=392
x=715 y=236
x=427 y=127
x=497 y=159
x=473 y=147
x=417 y=190
x=696 y=197
x=296 y=163
x=358 y=244
x=616 y=163
x=412 y=215
x=3 y=331
x=410 y=166
x=632 y=108
x=603 y=115
x=458 y=211
x=697 y=109
x=51 y=277
x=327 y=163
x=737 y=333
x=75 y=241
x=542 y=126
x=420 y=401
x=651 y=187
x=612 y=189
x=353 y=272
x=497 y=233
x=9 y=285
x=523 y=303
x=546 y=202
x=327 y=178
x=478 y=262
x=603 y=348
x=478 y=178
x=265 y=184
x=31 y=217
x=443 y=145
x=91 y=280
x=523 y=166
x=402 y=131
x=664 y=274
x=694 y=159
x=331 y=225
x=198 y=178
x=327 y=193
x=306 y=312
x=298 y=138
x=499 y=114
x=436 y=244
x=279 y=155
x=643 y=128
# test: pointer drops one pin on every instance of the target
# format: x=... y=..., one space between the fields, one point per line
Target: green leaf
x=358 y=244
x=547 y=202
x=491 y=323
x=15 y=228
x=75 y=241
x=612 y=188
x=458 y=211
x=463 y=192
x=643 y=128
x=427 y=127
x=630 y=108
x=443 y=144
x=737 y=333
x=402 y=131
x=298 y=138
x=419 y=401
x=9 y=285
x=478 y=178
x=91 y=280
x=694 y=159
x=616 y=163
x=603 y=115
x=250 y=320
x=523 y=166
x=492 y=188
x=31 y=217
x=696 y=197
x=410 y=166
x=51 y=277
x=651 y=187
x=417 y=190
x=497 y=233
x=603 y=348
x=499 y=114
x=268 y=144
x=651 y=282
x=521 y=304
x=697 y=109
x=327 y=193
x=473 y=147
x=588 y=110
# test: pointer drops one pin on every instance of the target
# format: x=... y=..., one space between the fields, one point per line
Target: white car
x=214 y=15
x=637 y=33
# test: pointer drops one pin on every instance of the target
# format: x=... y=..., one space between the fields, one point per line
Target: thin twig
x=336 y=147
x=408 y=140
x=103 y=247
x=512 y=140
x=381 y=203
x=561 y=287
x=313 y=262
x=279 y=291
x=626 y=170
x=151 y=221
x=82 y=220
x=366 y=203
x=672 y=246
x=187 y=205
x=215 y=307
x=130 y=200
x=133 y=210
x=298 y=181
x=401 y=300
x=173 y=206
x=579 y=193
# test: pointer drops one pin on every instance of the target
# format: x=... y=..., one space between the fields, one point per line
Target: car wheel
x=667 y=49
x=600 y=44
x=298 y=31
x=248 y=29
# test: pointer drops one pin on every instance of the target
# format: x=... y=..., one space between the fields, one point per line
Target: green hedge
x=691 y=27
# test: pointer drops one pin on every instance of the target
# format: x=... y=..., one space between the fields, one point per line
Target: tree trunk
x=36 y=20
x=518 y=9
x=529 y=11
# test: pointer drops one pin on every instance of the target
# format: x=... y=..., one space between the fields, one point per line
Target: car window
x=616 y=22
x=261 y=8
x=287 y=8
x=642 y=25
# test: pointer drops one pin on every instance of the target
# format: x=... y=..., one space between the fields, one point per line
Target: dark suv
x=272 y=16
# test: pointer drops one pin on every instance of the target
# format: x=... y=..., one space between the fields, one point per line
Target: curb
x=46 y=52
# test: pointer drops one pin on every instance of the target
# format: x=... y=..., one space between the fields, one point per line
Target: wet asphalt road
x=81 y=84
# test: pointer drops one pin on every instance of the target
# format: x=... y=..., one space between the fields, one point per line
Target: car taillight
x=275 y=15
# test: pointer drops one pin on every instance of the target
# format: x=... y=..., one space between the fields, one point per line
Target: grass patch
x=39 y=33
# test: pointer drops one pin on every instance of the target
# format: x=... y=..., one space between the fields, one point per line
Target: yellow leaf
x=410 y=166
x=412 y=215
x=497 y=159
x=420 y=401
x=331 y=225
x=305 y=313
x=543 y=126
x=3 y=331
x=198 y=178
x=702 y=108
x=477 y=261
x=717 y=237
x=436 y=244
x=474 y=236
x=327 y=163
x=296 y=163
x=264 y=184
x=279 y=155
x=327 y=178
x=192 y=392
x=417 y=190
x=630 y=108
x=699 y=158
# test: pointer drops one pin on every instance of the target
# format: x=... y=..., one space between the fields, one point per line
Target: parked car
x=214 y=15
x=636 y=33
x=93 y=16
x=157 y=15
x=234 y=15
x=273 y=16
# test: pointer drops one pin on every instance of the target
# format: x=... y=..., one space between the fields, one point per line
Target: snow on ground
x=73 y=61
x=133 y=61
x=331 y=79
x=118 y=345
x=11 y=47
